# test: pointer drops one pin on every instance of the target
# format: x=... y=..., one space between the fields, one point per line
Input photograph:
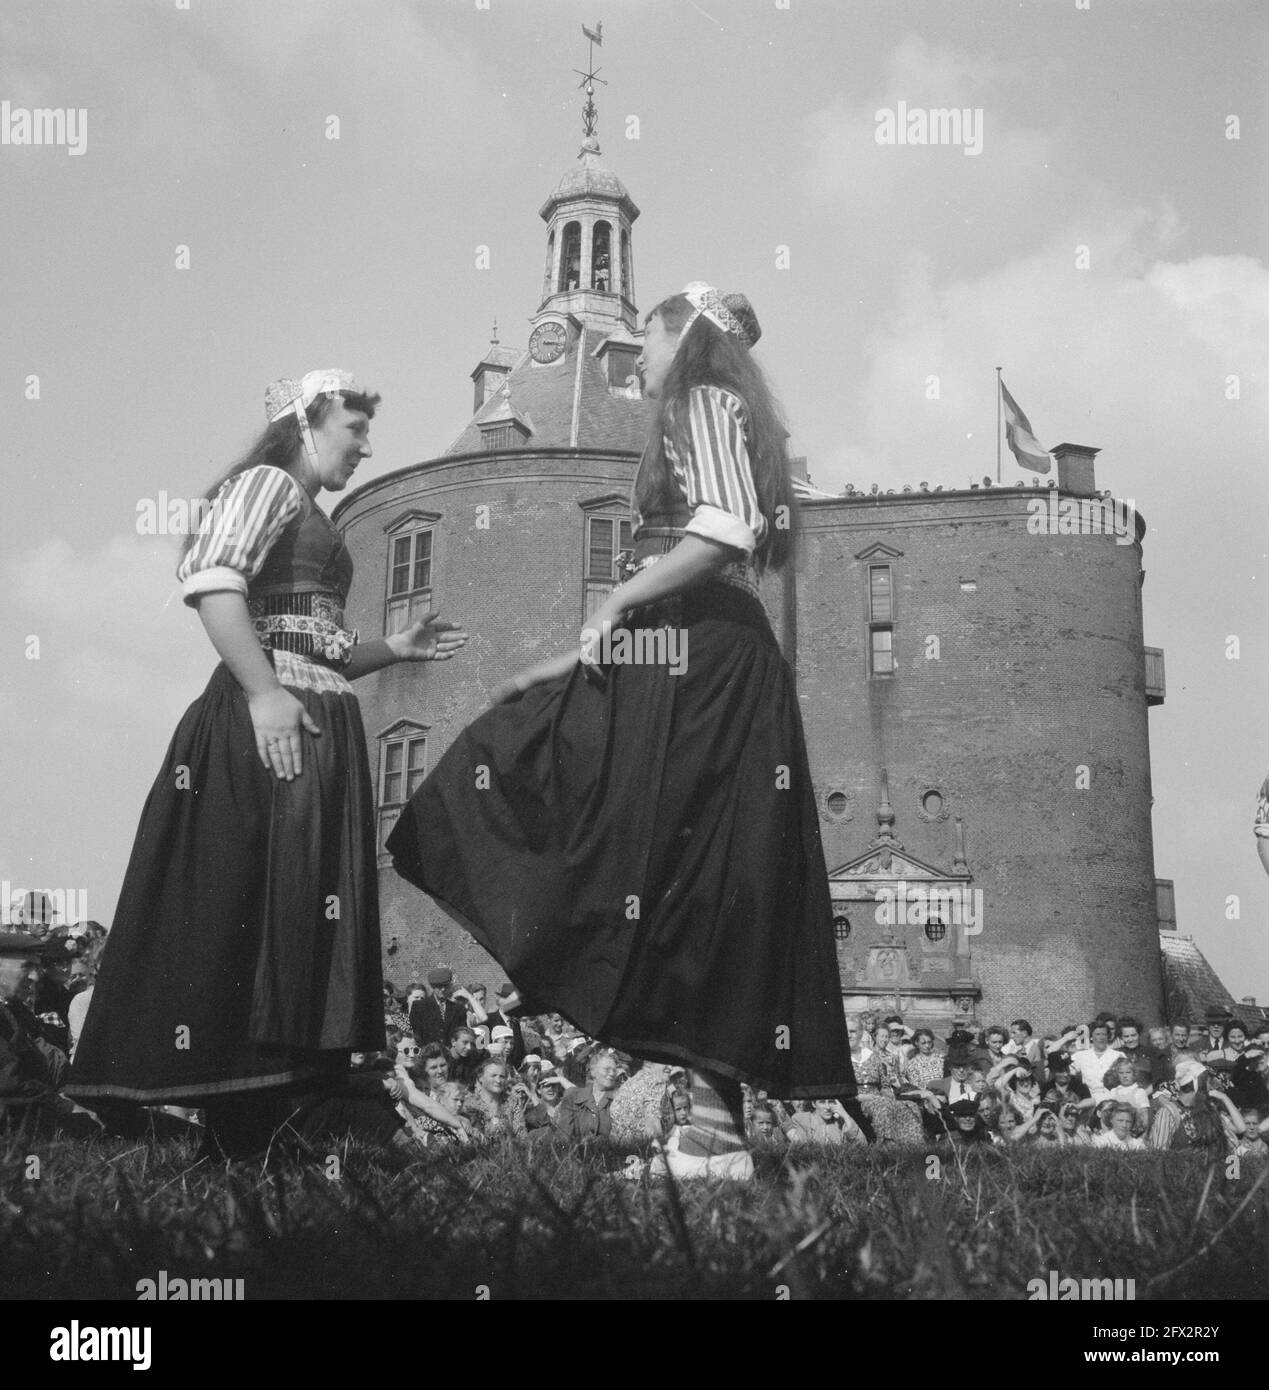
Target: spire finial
x=494 y=339
x=886 y=840
x=590 y=115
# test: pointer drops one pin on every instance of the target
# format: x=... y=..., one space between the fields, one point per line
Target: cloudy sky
x=1107 y=246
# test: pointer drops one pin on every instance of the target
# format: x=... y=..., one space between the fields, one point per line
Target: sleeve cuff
x=210 y=581
x=717 y=525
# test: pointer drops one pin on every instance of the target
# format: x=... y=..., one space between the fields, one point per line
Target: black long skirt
x=244 y=954
x=646 y=859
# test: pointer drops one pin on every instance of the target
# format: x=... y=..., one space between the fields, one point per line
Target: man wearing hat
x=956 y=1085
x=444 y=1008
x=966 y=1127
x=506 y=1016
x=31 y=1070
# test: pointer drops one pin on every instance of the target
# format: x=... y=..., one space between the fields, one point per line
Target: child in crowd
x=1119 y=1136
x=1129 y=1090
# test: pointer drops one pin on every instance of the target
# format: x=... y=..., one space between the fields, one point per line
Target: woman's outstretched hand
x=280 y=720
x=429 y=639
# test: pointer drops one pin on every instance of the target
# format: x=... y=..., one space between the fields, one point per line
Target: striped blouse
x=240 y=528
x=717 y=477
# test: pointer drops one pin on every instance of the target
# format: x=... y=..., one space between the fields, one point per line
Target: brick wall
x=1039 y=671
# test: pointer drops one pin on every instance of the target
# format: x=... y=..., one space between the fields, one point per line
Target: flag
x=1023 y=444
x=597 y=36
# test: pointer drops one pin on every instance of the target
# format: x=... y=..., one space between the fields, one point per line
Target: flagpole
x=998 y=371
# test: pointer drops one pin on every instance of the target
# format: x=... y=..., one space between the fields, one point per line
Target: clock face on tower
x=546 y=344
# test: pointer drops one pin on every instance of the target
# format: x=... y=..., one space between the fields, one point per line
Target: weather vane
x=590 y=116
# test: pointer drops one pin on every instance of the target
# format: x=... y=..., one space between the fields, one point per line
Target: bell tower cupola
x=589 y=256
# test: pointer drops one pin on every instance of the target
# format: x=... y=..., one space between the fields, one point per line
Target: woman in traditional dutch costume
x=244 y=960
x=642 y=853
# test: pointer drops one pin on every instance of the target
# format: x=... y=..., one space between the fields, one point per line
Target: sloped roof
x=1191 y=987
x=589 y=179
x=546 y=396
x=498 y=356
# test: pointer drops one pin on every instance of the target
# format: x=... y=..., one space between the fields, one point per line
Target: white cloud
x=1130 y=355
x=925 y=194
x=112 y=630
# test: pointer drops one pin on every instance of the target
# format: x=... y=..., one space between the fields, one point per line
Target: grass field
x=544 y=1221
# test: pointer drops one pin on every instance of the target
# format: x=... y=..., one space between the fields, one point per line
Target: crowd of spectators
x=462 y=1069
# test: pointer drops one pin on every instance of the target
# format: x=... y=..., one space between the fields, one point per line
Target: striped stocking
x=717 y=1117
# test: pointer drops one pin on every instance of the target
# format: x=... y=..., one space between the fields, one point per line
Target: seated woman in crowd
x=824 y=1122
x=859 y=1046
x=993 y=1046
x=924 y=1065
x=491 y=1108
x=900 y=1035
x=585 y=1112
x=429 y=1120
x=1093 y=1062
x=879 y=1075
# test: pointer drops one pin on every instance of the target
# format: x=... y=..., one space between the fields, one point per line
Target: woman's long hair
x=278 y=446
x=710 y=357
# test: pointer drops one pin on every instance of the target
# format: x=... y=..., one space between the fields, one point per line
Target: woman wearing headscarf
x=244 y=963
x=643 y=851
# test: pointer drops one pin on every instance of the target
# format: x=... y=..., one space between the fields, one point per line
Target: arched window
x=571 y=258
x=601 y=257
